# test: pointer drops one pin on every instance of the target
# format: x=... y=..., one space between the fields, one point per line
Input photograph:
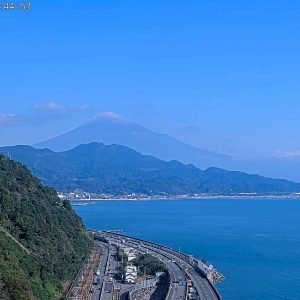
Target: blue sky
x=222 y=75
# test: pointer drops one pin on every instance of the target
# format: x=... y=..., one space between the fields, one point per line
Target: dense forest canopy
x=42 y=241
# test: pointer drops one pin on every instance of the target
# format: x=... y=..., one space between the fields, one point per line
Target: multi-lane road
x=203 y=287
x=99 y=278
x=201 y=284
x=103 y=282
x=177 y=289
x=179 y=269
x=111 y=269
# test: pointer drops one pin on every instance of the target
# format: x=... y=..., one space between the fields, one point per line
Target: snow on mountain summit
x=112 y=116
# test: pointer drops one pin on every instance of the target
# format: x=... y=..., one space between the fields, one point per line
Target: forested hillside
x=42 y=241
x=119 y=170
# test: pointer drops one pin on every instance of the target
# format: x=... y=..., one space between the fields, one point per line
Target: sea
x=254 y=243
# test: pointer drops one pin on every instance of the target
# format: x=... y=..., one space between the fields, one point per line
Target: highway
x=111 y=268
x=177 y=289
x=179 y=269
x=101 y=269
x=204 y=289
x=103 y=290
x=201 y=284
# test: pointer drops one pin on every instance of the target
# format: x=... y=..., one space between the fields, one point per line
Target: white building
x=131 y=274
x=131 y=256
x=130 y=252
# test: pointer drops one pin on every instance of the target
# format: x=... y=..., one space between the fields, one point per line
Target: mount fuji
x=112 y=128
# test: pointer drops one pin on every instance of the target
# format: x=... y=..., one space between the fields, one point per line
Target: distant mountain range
x=119 y=170
x=111 y=128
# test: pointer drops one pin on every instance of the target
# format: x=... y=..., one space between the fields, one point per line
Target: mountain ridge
x=119 y=170
x=111 y=128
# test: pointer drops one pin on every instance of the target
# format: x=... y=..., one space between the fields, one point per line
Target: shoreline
x=204 y=197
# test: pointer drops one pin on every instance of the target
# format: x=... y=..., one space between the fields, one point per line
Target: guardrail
x=178 y=254
x=145 y=284
x=159 y=252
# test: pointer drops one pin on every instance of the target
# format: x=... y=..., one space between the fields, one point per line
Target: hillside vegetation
x=119 y=170
x=42 y=241
x=148 y=265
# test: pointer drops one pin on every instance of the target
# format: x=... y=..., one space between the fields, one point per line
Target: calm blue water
x=254 y=243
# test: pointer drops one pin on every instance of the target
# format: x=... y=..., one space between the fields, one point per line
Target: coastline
x=203 y=197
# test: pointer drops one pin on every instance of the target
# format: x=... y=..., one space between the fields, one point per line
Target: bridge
x=190 y=278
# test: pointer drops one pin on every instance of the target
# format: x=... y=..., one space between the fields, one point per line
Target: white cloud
x=7 y=119
x=50 y=106
x=59 y=108
x=84 y=108
x=287 y=154
x=43 y=111
x=111 y=116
